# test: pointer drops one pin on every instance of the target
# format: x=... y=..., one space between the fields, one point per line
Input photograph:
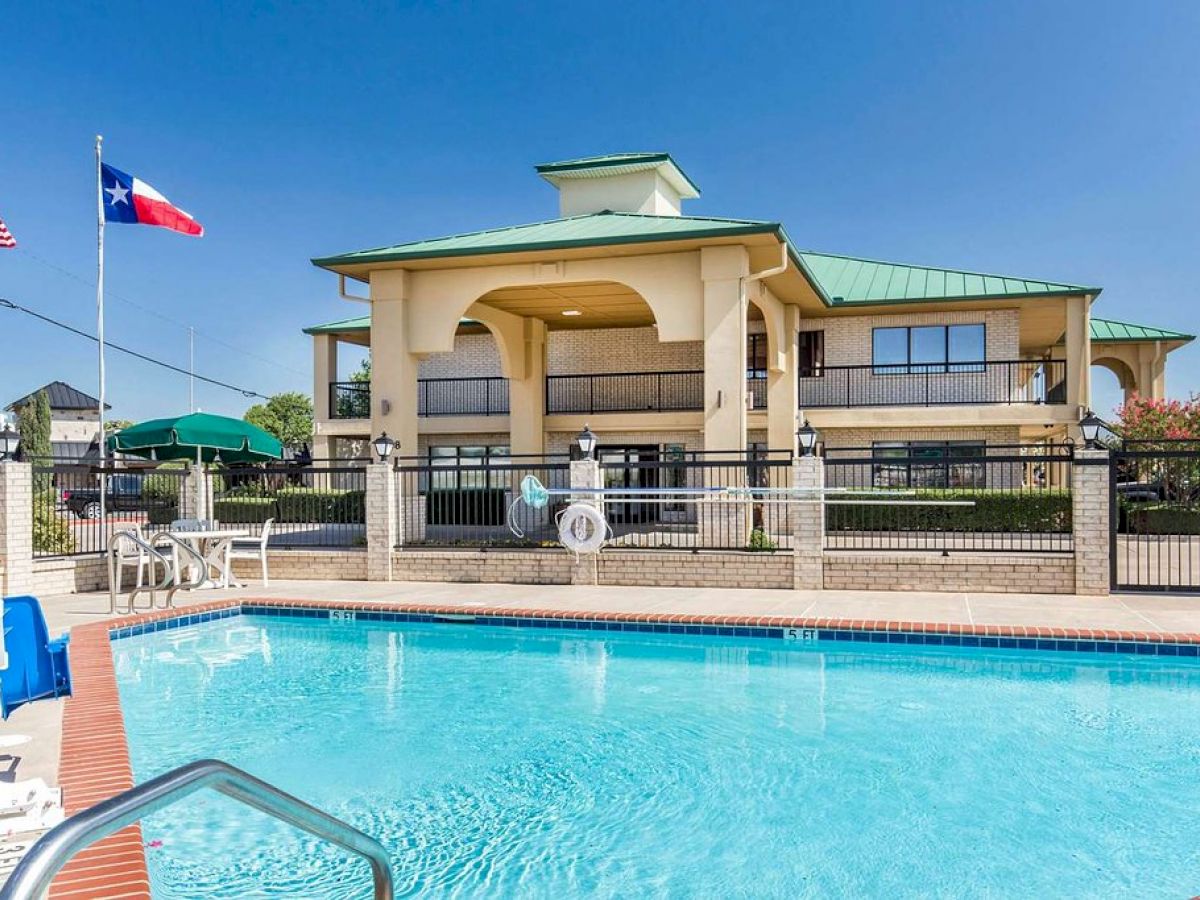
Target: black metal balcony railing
x=487 y=396
x=625 y=392
x=916 y=384
x=936 y=384
x=350 y=400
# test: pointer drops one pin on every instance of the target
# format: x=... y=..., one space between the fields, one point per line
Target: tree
x=33 y=422
x=112 y=426
x=362 y=375
x=1162 y=425
x=1143 y=419
x=288 y=416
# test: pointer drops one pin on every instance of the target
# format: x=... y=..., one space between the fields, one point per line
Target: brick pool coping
x=95 y=761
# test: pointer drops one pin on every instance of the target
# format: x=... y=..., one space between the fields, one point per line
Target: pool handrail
x=33 y=874
x=199 y=561
x=110 y=551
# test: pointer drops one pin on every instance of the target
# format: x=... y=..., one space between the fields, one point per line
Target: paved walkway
x=42 y=721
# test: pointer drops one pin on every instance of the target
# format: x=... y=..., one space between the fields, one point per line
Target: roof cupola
x=647 y=183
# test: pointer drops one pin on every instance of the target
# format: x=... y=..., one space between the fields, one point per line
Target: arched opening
x=1113 y=382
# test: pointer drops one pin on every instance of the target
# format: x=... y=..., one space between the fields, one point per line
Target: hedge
x=1024 y=512
x=310 y=505
x=1158 y=518
x=51 y=534
x=245 y=510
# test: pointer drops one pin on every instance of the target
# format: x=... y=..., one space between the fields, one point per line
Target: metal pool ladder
x=31 y=878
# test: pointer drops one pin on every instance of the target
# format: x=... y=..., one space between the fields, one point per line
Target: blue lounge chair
x=37 y=666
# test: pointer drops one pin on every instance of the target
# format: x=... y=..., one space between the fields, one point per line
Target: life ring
x=582 y=528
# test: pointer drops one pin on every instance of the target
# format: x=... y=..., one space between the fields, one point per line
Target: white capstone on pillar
x=383 y=532
x=808 y=524
x=16 y=528
x=1090 y=513
x=585 y=476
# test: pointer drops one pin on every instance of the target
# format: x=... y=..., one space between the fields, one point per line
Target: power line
x=8 y=304
x=160 y=315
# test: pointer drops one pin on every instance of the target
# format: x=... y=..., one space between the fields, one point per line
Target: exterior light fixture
x=383 y=446
x=807 y=436
x=8 y=441
x=572 y=312
x=587 y=443
x=1090 y=425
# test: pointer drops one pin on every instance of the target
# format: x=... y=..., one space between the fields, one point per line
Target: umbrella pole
x=199 y=484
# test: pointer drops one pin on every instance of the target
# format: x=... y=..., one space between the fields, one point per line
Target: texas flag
x=131 y=200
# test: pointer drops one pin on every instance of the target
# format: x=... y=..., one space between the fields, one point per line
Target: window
x=810 y=354
x=922 y=349
x=928 y=464
x=756 y=356
x=459 y=461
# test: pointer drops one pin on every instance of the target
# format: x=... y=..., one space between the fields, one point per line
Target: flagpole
x=100 y=318
x=191 y=369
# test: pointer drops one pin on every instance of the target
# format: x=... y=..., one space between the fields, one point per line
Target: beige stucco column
x=1151 y=372
x=1079 y=355
x=723 y=270
x=527 y=395
x=783 y=393
x=393 y=367
x=325 y=367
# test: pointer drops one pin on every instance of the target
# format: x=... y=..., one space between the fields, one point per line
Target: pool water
x=507 y=762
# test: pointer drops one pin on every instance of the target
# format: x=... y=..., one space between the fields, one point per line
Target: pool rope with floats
x=583 y=528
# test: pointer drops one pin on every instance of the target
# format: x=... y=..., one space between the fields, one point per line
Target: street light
x=1090 y=425
x=587 y=443
x=8 y=441
x=383 y=446
x=807 y=436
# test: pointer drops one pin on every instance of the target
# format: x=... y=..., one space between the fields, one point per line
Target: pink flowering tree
x=1163 y=425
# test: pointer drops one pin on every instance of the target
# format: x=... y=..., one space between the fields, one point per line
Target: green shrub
x=1023 y=512
x=245 y=510
x=1158 y=518
x=51 y=533
x=163 y=488
x=760 y=541
x=312 y=505
x=162 y=513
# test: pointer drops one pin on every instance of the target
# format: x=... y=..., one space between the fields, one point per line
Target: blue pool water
x=516 y=763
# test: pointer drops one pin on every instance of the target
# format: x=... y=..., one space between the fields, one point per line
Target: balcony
x=625 y=392
x=917 y=384
x=1021 y=381
x=435 y=397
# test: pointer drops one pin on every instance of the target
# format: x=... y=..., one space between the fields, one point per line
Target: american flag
x=7 y=241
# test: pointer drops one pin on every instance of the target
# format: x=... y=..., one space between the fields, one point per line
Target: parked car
x=123 y=494
x=1140 y=491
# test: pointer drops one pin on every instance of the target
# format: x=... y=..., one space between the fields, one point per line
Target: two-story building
x=74 y=419
x=667 y=332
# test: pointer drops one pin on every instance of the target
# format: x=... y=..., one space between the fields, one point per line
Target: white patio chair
x=250 y=548
x=130 y=554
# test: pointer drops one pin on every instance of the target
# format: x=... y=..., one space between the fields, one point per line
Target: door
x=630 y=467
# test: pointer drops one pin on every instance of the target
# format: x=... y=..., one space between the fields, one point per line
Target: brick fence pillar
x=585 y=476
x=383 y=532
x=195 y=494
x=808 y=524
x=16 y=528
x=1090 y=520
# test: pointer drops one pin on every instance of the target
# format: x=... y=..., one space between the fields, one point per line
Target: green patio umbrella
x=197 y=436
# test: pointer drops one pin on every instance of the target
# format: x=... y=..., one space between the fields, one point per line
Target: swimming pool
x=497 y=761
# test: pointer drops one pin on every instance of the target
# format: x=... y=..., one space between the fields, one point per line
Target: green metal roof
x=848 y=279
x=361 y=323
x=1110 y=330
x=595 y=229
x=622 y=162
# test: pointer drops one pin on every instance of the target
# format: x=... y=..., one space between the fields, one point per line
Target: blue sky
x=1051 y=140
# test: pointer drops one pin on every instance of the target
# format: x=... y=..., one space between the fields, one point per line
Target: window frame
x=939 y=473
x=814 y=368
x=945 y=366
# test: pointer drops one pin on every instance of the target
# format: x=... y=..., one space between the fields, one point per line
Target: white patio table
x=211 y=544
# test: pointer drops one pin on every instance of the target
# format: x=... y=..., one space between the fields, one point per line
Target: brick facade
x=16 y=527
x=1090 y=513
x=999 y=573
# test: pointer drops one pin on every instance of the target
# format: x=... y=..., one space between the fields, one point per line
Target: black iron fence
x=936 y=384
x=645 y=519
x=462 y=501
x=625 y=392
x=71 y=519
x=462 y=396
x=1155 y=541
x=948 y=498
x=316 y=506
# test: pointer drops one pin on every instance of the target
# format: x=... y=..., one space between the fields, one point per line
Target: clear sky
x=1054 y=140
